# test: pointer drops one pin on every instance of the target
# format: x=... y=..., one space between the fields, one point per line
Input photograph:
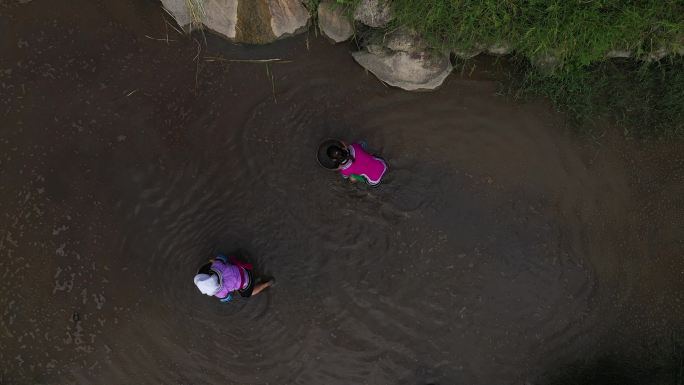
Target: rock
x=246 y=21
x=254 y=23
x=466 y=54
x=618 y=53
x=679 y=45
x=679 y=49
x=547 y=63
x=178 y=10
x=287 y=17
x=404 y=39
x=657 y=54
x=220 y=16
x=333 y=22
x=499 y=49
x=374 y=13
x=404 y=70
x=404 y=61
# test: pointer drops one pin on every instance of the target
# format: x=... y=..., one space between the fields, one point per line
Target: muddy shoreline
x=503 y=248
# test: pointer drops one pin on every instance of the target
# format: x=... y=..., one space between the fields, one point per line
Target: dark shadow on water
x=662 y=365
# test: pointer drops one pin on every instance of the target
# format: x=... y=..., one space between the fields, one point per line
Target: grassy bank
x=576 y=32
x=645 y=92
x=646 y=100
x=646 y=97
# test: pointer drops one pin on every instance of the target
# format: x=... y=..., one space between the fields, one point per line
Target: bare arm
x=259 y=287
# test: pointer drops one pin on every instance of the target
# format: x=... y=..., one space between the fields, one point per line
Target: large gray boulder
x=333 y=21
x=403 y=60
x=244 y=21
x=374 y=13
x=288 y=17
x=221 y=16
x=179 y=10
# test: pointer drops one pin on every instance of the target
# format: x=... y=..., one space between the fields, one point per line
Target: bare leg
x=259 y=287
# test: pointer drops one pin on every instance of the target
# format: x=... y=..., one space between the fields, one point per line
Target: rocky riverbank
x=396 y=55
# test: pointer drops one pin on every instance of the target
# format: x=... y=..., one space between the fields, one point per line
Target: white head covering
x=207 y=284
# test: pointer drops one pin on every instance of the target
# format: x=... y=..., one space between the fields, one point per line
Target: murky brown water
x=502 y=249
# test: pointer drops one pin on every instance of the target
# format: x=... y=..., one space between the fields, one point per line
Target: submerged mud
x=501 y=249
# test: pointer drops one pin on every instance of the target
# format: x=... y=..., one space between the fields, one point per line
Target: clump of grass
x=645 y=99
x=574 y=36
x=197 y=13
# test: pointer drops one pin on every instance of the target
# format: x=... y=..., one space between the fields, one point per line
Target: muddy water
x=502 y=248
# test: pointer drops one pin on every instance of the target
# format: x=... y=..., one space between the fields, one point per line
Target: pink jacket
x=231 y=277
x=364 y=164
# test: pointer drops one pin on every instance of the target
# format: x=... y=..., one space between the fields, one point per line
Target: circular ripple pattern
x=497 y=247
x=444 y=257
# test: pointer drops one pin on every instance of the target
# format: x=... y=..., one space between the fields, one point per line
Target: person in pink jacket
x=353 y=161
x=223 y=276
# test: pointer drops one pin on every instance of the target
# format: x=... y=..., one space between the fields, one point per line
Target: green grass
x=578 y=32
x=648 y=97
x=645 y=99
